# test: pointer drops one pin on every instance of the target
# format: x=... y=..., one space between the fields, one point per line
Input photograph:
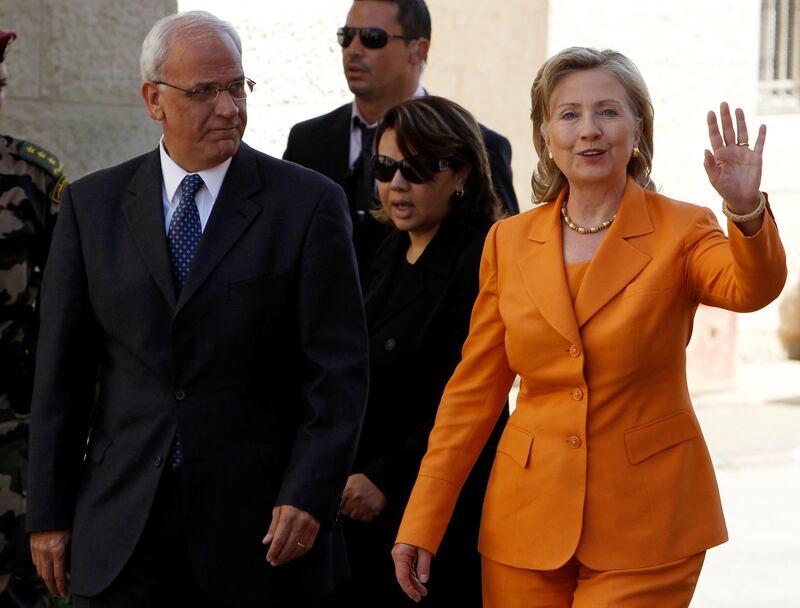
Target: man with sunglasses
x=213 y=291
x=384 y=49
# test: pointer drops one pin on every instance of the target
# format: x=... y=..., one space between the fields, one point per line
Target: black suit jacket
x=323 y=144
x=260 y=361
x=417 y=326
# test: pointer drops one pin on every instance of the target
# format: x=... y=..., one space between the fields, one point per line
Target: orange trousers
x=576 y=586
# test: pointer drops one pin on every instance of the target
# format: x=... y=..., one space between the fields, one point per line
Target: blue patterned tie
x=184 y=229
x=183 y=236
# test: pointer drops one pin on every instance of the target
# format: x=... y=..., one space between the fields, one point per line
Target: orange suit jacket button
x=575 y=350
x=577 y=394
x=574 y=442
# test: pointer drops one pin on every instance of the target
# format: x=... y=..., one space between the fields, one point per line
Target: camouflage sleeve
x=31 y=185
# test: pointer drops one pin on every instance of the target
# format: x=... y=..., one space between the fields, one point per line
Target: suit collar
x=438 y=260
x=617 y=261
x=542 y=270
x=339 y=129
x=384 y=275
x=233 y=212
x=614 y=265
x=445 y=248
x=173 y=174
x=143 y=209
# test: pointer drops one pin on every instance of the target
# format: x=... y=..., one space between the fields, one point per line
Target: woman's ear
x=463 y=174
x=543 y=133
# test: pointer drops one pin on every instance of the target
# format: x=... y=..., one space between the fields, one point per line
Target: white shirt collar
x=173 y=174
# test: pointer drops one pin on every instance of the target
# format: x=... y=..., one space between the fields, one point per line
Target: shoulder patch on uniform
x=40 y=157
x=57 y=191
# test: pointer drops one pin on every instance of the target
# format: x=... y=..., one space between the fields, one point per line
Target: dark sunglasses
x=371 y=37
x=415 y=169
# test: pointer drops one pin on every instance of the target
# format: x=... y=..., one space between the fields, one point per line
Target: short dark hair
x=437 y=128
x=413 y=16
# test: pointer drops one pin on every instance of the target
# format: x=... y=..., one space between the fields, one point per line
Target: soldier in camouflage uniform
x=31 y=183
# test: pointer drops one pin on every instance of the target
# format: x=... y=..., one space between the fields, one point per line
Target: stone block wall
x=74 y=78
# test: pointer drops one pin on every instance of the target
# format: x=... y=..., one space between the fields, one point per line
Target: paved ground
x=754 y=436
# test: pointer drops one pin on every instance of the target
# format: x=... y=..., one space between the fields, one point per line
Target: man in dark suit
x=212 y=291
x=384 y=49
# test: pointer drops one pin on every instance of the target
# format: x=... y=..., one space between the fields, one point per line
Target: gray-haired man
x=213 y=290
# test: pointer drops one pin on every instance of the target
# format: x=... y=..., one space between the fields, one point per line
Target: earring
x=636 y=153
x=549 y=155
x=460 y=193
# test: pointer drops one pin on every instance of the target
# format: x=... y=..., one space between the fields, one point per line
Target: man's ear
x=152 y=99
x=419 y=50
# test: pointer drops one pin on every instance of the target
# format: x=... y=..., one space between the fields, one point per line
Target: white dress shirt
x=355 y=132
x=205 y=197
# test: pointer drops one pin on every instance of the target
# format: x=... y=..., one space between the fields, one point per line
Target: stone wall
x=74 y=78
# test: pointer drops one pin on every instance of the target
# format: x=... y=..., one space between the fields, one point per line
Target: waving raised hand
x=733 y=168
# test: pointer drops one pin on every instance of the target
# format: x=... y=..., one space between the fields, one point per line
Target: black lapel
x=382 y=272
x=233 y=212
x=339 y=133
x=144 y=210
x=446 y=247
x=435 y=267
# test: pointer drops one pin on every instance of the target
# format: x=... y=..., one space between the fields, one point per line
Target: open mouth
x=402 y=210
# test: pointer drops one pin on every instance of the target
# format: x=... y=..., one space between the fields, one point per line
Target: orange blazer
x=603 y=458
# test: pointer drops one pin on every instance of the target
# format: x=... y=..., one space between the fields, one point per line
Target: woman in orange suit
x=602 y=492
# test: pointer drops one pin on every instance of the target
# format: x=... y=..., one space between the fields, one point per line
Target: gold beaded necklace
x=583 y=229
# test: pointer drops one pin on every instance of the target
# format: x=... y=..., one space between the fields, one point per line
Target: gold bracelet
x=741 y=219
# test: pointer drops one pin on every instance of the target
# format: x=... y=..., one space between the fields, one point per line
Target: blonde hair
x=548 y=180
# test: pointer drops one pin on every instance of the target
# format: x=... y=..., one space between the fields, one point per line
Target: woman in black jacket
x=434 y=185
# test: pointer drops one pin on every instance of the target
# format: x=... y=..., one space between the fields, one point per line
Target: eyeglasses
x=371 y=37
x=415 y=169
x=238 y=89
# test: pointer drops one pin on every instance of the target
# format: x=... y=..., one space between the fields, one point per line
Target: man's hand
x=49 y=553
x=362 y=499
x=291 y=533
